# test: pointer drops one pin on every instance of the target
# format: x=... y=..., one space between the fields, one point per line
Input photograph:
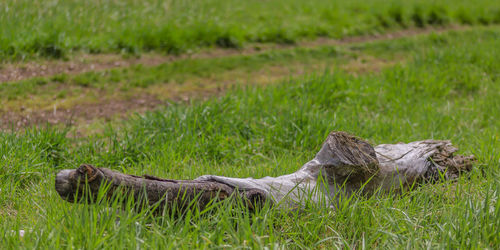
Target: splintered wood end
x=353 y=151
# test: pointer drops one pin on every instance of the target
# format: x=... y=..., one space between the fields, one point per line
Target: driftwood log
x=344 y=165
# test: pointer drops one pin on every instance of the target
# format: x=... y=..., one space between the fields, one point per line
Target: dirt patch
x=81 y=63
x=106 y=109
x=368 y=64
x=78 y=64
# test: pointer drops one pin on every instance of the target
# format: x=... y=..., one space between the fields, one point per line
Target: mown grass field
x=56 y=29
x=442 y=86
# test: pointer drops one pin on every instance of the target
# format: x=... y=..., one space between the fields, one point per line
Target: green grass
x=55 y=29
x=448 y=89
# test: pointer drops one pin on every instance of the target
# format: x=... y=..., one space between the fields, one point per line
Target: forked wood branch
x=344 y=165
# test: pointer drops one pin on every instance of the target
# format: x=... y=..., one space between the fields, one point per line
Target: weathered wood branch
x=85 y=181
x=344 y=165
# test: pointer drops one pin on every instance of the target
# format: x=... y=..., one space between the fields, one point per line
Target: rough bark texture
x=86 y=181
x=344 y=165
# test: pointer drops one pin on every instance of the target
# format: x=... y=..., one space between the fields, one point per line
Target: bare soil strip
x=81 y=63
x=106 y=109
